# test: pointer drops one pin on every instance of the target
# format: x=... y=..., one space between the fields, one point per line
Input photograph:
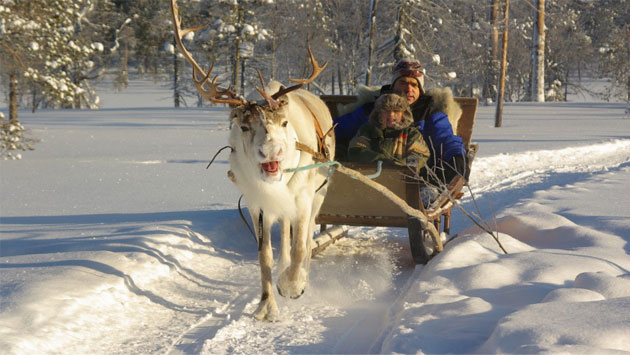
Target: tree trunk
x=274 y=43
x=493 y=60
x=125 y=63
x=472 y=40
x=243 y=76
x=494 y=20
x=35 y=101
x=399 y=36
x=77 y=97
x=339 y=79
x=368 y=71
x=627 y=73
x=274 y=48
x=498 y=120
x=566 y=86
x=538 y=54
x=176 y=93
x=236 y=65
x=332 y=81
x=13 y=96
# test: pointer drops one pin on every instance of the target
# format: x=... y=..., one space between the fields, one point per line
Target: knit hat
x=409 y=67
x=391 y=102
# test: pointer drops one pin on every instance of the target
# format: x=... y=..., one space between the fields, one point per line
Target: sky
x=116 y=239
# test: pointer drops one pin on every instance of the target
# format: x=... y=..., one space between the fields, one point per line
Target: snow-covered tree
x=616 y=59
x=13 y=139
x=54 y=45
x=235 y=28
x=608 y=25
x=448 y=37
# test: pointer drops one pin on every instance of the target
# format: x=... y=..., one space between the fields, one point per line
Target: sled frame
x=352 y=203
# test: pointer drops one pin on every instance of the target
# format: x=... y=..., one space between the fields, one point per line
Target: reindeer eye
x=244 y=128
x=284 y=124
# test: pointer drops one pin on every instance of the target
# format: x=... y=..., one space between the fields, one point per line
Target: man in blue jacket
x=429 y=114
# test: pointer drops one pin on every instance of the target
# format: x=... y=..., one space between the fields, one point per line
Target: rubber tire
x=418 y=252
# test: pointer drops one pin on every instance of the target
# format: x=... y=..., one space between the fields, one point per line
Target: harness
x=322 y=154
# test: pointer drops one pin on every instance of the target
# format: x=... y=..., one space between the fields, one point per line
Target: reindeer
x=284 y=130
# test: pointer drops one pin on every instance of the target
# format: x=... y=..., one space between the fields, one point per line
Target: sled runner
x=352 y=203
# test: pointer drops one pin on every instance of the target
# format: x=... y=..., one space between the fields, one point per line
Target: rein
x=240 y=212
x=217 y=153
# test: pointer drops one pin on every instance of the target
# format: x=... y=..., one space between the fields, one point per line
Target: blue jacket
x=435 y=128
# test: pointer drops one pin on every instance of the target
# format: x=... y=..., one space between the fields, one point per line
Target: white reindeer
x=288 y=129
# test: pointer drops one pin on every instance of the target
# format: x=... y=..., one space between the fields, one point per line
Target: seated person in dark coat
x=389 y=136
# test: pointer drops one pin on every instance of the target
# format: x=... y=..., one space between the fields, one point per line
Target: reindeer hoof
x=267 y=310
x=298 y=296
x=292 y=297
x=292 y=288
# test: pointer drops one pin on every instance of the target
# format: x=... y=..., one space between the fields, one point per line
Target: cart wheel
x=418 y=250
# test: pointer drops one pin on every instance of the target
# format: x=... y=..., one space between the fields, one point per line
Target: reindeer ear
x=283 y=100
x=235 y=118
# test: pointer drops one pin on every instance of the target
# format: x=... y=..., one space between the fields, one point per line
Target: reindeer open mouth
x=271 y=167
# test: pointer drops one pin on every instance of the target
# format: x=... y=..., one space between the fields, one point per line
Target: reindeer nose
x=270 y=152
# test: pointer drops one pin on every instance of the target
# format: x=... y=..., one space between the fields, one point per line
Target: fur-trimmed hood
x=391 y=102
x=441 y=101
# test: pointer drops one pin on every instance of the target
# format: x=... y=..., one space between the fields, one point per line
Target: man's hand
x=413 y=161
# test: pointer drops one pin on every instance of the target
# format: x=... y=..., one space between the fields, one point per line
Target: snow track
x=116 y=240
x=508 y=171
x=352 y=286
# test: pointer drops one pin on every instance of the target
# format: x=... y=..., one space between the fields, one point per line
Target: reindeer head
x=261 y=135
x=262 y=139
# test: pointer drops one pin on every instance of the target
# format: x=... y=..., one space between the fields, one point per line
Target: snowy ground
x=115 y=239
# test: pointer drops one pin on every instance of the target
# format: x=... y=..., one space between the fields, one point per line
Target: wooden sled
x=350 y=202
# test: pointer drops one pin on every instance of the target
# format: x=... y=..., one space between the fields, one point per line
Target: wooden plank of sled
x=328 y=237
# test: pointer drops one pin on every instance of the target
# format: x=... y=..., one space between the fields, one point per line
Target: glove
x=412 y=162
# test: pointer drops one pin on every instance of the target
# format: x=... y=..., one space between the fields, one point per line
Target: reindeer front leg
x=292 y=280
x=267 y=308
x=285 y=244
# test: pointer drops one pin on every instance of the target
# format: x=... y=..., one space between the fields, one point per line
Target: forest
x=52 y=52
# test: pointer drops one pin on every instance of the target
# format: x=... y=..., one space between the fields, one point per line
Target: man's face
x=407 y=87
x=391 y=118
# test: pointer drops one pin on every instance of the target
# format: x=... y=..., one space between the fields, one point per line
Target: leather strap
x=318 y=156
x=322 y=154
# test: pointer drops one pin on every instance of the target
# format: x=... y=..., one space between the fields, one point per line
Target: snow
x=115 y=239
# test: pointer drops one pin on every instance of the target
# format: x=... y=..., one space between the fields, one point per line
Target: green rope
x=379 y=164
x=312 y=166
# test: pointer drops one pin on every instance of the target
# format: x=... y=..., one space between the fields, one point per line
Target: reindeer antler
x=273 y=103
x=214 y=93
x=316 y=71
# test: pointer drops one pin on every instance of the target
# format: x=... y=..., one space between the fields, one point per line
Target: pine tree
x=53 y=44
